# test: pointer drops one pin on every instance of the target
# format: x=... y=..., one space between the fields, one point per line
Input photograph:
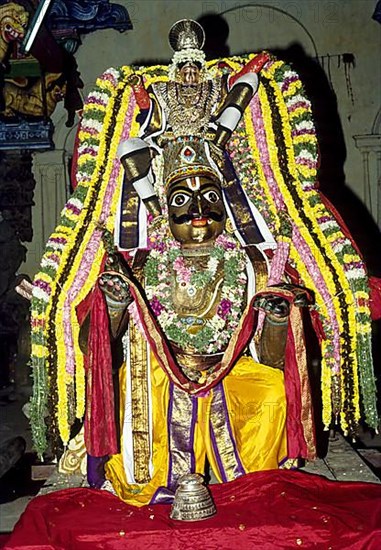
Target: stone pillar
x=52 y=182
x=379 y=188
x=370 y=147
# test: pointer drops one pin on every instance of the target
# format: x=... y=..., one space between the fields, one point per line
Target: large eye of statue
x=212 y=196
x=179 y=199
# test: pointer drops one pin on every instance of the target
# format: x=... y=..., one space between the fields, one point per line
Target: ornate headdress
x=186 y=38
x=186 y=34
x=187 y=156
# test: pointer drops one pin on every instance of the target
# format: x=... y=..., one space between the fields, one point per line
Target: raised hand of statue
x=140 y=93
x=117 y=295
x=279 y=306
x=302 y=296
x=242 y=86
x=271 y=344
x=256 y=64
x=253 y=66
x=272 y=304
x=113 y=280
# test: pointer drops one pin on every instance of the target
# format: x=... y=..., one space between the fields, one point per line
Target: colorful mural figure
x=13 y=23
x=24 y=95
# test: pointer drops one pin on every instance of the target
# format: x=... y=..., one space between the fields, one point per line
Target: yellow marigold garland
x=94 y=273
x=294 y=213
x=93 y=154
x=55 y=260
x=338 y=268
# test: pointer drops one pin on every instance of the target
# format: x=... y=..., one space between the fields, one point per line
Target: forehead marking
x=193 y=183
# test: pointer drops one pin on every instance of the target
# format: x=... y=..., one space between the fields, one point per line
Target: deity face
x=189 y=74
x=196 y=210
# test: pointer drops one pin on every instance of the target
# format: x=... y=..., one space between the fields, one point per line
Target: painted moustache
x=187 y=218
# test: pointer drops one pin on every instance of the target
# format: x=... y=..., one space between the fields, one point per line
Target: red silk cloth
x=273 y=509
x=100 y=427
x=299 y=419
x=253 y=66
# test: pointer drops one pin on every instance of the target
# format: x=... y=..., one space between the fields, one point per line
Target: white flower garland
x=183 y=56
x=215 y=332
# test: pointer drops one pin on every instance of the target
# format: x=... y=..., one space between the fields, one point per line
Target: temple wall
x=323 y=29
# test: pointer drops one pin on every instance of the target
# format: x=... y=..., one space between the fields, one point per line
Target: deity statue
x=168 y=312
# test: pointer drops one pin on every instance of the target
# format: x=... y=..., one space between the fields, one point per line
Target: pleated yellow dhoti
x=239 y=426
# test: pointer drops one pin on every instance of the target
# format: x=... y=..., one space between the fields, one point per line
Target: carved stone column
x=51 y=175
x=370 y=147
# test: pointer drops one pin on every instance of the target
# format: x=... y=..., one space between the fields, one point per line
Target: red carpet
x=267 y=510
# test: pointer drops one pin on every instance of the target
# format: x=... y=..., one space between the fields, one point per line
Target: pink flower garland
x=299 y=242
x=91 y=250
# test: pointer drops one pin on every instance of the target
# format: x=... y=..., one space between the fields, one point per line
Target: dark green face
x=196 y=210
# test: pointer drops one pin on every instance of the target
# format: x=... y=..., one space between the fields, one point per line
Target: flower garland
x=286 y=178
x=354 y=291
x=304 y=145
x=74 y=252
x=247 y=162
x=279 y=182
x=311 y=254
x=59 y=381
x=302 y=157
x=165 y=259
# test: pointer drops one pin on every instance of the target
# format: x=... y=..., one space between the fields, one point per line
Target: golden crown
x=187 y=156
x=186 y=34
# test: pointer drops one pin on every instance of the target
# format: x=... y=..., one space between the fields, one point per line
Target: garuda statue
x=168 y=312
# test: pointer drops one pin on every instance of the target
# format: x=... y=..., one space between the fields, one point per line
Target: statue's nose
x=197 y=207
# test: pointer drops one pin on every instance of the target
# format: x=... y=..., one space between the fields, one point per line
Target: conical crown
x=187 y=156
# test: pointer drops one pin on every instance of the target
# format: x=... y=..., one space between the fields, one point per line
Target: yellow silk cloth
x=256 y=405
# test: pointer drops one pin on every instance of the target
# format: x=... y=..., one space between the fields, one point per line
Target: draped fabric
x=274 y=509
x=237 y=421
x=239 y=426
x=100 y=427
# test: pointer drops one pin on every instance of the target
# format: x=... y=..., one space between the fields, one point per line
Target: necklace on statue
x=190 y=277
x=166 y=257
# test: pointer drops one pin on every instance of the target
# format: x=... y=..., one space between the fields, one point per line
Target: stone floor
x=343 y=462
